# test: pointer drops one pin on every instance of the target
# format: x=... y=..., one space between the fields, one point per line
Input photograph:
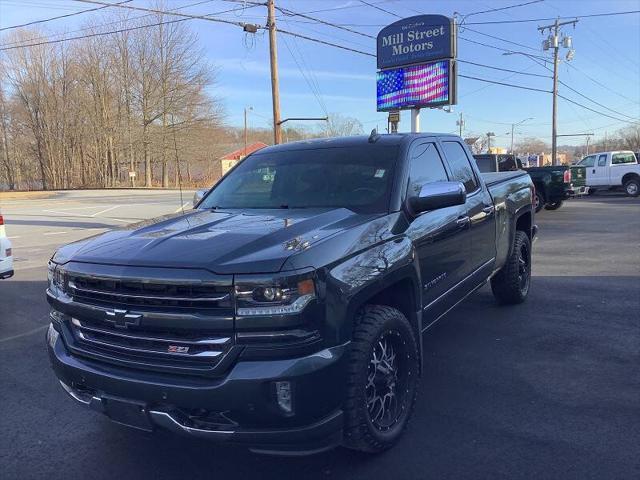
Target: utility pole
x=460 y=123
x=275 y=86
x=245 y=129
x=554 y=42
x=513 y=126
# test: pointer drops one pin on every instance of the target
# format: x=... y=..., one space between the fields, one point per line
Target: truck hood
x=256 y=241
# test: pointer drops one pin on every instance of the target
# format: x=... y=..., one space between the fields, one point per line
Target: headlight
x=285 y=297
x=55 y=279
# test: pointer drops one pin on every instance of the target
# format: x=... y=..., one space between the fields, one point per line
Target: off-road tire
x=539 y=201
x=507 y=285
x=628 y=187
x=372 y=324
x=553 y=205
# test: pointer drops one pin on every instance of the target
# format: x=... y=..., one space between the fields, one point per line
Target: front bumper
x=239 y=408
x=578 y=191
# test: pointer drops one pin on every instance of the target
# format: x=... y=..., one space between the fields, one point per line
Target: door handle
x=488 y=210
x=593 y=171
x=462 y=221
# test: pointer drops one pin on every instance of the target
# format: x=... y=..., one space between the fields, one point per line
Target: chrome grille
x=150 y=324
x=125 y=293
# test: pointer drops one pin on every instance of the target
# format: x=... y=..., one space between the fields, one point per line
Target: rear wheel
x=553 y=205
x=511 y=284
x=632 y=187
x=539 y=201
x=382 y=379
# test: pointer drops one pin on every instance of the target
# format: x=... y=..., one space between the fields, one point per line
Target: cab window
x=425 y=167
x=460 y=165
x=602 y=160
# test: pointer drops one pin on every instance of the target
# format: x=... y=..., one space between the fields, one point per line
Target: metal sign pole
x=415 y=120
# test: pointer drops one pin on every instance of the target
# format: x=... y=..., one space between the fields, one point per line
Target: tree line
x=88 y=112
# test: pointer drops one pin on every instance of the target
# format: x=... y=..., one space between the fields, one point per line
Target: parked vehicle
x=554 y=184
x=285 y=312
x=613 y=170
x=6 y=255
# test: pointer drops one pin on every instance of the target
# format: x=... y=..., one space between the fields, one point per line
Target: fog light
x=56 y=316
x=283 y=395
x=52 y=336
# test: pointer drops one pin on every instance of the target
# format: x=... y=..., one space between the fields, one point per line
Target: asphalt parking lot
x=546 y=389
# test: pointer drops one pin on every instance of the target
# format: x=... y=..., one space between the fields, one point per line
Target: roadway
x=546 y=389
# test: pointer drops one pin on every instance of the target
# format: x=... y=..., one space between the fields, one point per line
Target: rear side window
x=602 y=160
x=460 y=166
x=620 y=158
x=425 y=167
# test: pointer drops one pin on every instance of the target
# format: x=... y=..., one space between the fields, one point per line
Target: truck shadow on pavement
x=542 y=389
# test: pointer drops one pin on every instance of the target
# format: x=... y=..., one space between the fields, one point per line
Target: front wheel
x=632 y=187
x=511 y=284
x=553 y=205
x=383 y=375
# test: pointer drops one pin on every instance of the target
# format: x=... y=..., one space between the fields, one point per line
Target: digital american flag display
x=416 y=86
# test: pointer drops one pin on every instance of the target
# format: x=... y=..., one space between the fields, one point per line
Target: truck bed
x=494 y=178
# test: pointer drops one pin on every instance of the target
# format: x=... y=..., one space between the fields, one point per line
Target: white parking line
x=105 y=210
x=25 y=334
x=181 y=208
x=55 y=233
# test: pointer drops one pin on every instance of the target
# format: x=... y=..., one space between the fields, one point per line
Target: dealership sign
x=418 y=39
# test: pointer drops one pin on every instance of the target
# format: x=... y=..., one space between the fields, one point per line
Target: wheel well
x=399 y=295
x=524 y=223
x=629 y=176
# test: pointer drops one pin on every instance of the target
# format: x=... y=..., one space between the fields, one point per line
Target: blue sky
x=607 y=49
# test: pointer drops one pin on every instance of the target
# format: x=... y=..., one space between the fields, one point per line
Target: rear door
x=480 y=209
x=442 y=241
x=600 y=171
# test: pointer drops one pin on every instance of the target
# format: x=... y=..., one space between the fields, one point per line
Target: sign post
x=416 y=62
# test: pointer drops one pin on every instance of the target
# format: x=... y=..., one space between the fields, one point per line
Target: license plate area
x=127 y=412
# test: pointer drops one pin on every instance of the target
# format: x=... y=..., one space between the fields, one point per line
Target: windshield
x=358 y=178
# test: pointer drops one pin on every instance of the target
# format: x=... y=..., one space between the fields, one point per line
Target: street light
x=245 y=128
x=513 y=126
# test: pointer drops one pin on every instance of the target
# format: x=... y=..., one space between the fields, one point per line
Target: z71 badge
x=177 y=349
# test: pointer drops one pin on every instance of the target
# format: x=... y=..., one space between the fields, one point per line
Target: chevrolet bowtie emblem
x=122 y=318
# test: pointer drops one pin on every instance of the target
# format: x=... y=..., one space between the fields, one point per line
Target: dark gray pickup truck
x=285 y=312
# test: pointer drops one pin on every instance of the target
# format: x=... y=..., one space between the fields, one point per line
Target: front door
x=441 y=237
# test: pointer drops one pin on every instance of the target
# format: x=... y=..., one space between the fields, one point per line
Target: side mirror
x=437 y=195
x=198 y=196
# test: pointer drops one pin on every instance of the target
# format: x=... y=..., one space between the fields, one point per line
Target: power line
x=595 y=111
x=500 y=48
x=503 y=69
x=380 y=9
x=505 y=84
x=121 y=30
x=311 y=39
x=288 y=12
x=164 y=12
x=500 y=38
x=116 y=22
x=61 y=16
x=500 y=8
x=587 y=97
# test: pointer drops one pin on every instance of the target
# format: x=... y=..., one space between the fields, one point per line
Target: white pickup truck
x=610 y=170
x=6 y=258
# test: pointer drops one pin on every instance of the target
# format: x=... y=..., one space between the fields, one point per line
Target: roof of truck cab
x=353 y=141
